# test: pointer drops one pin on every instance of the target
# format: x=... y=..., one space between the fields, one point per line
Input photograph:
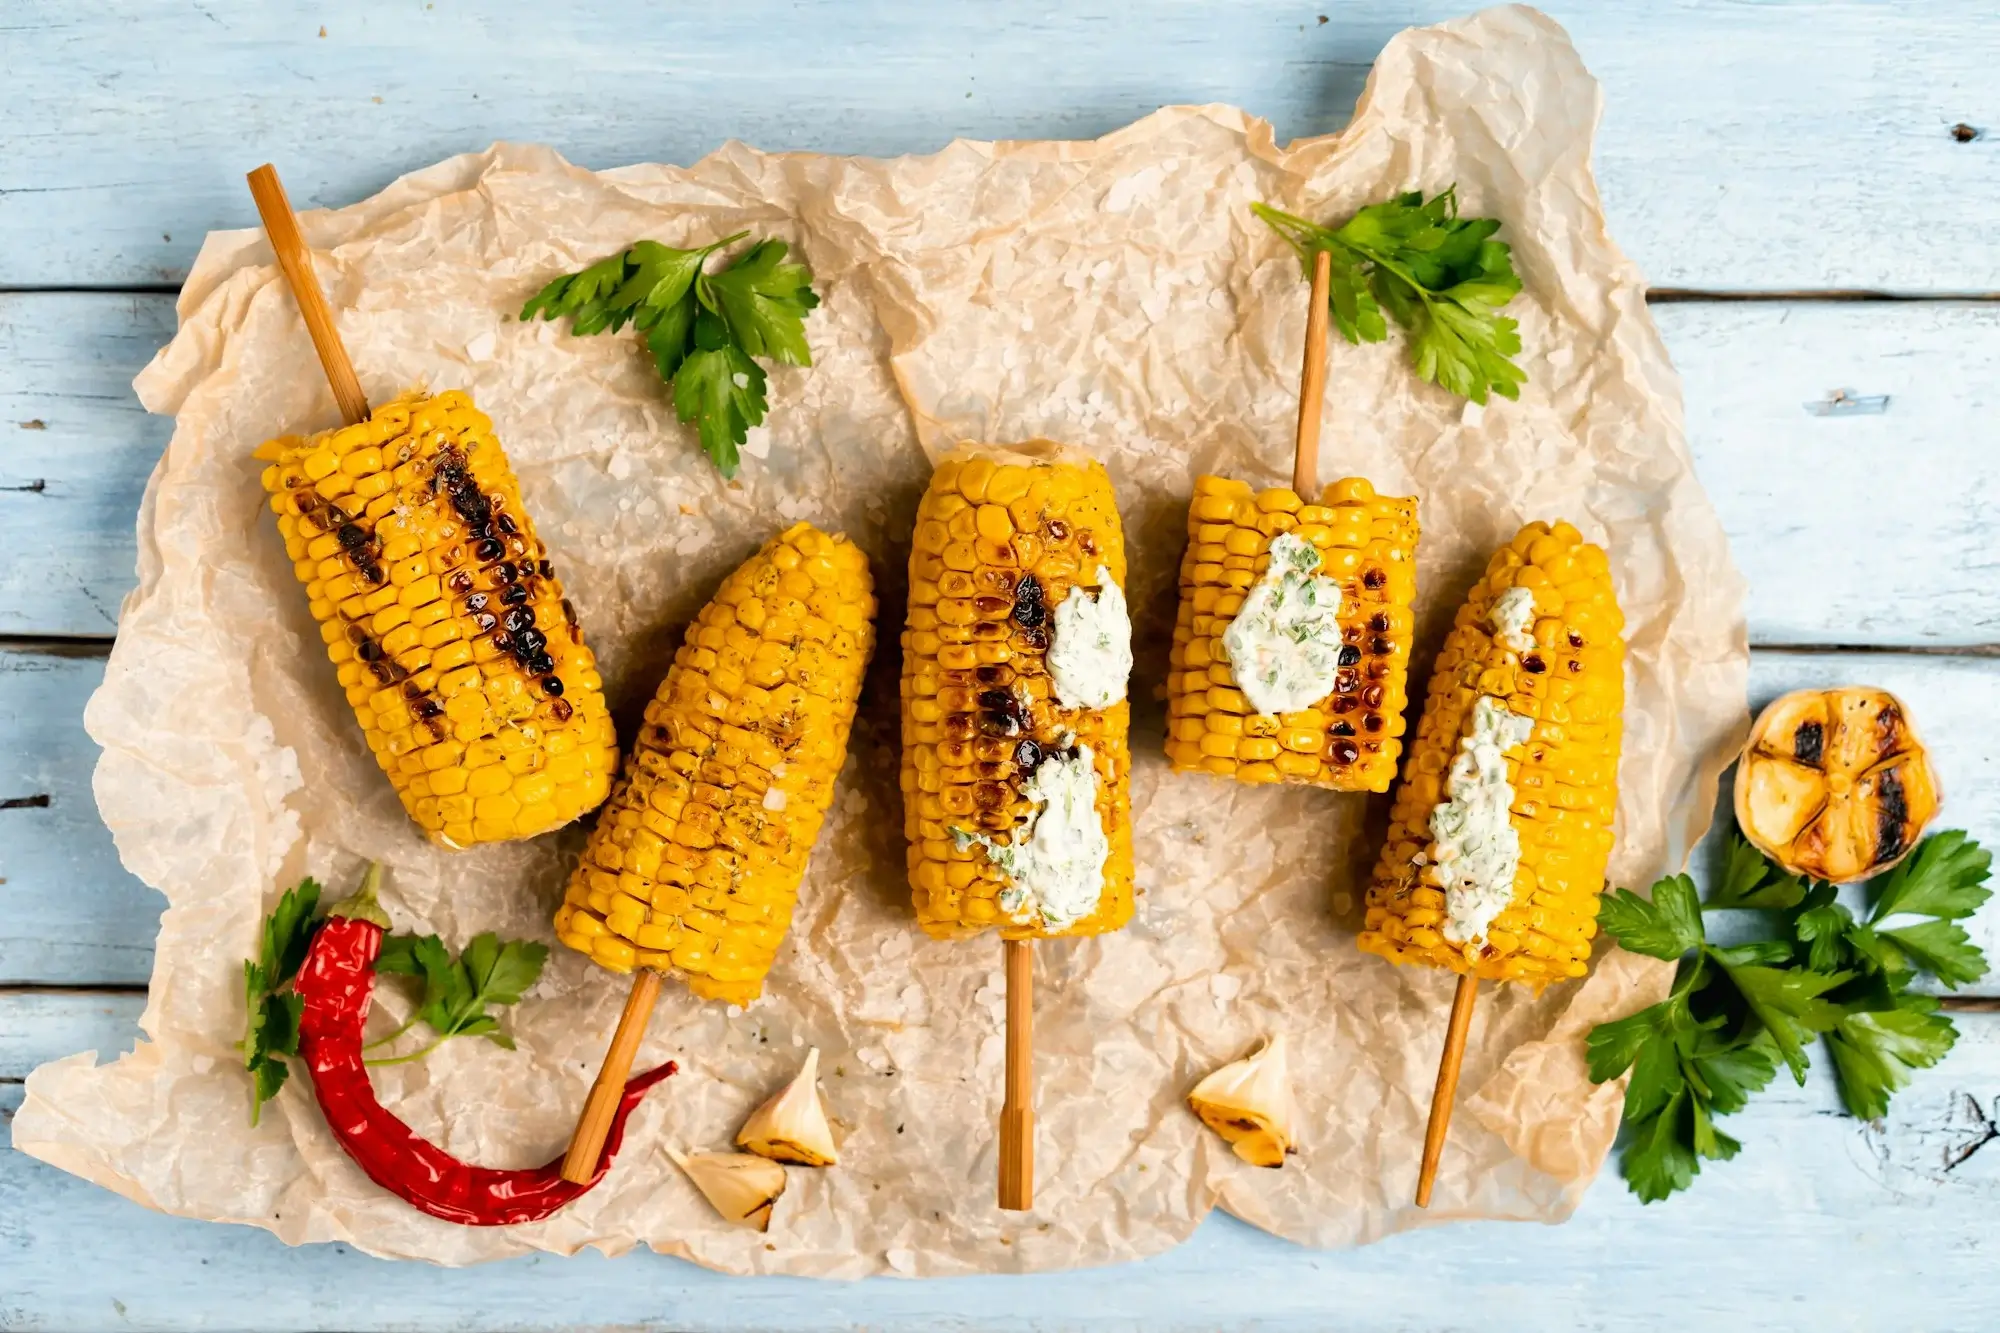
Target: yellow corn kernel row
x=464 y=664
x=1571 y=682
x=1348 y=741
x=1002 y=536
x=695 y=865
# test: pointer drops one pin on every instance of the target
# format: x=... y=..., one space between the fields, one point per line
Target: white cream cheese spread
x=1090 y=646
x=1284 y=645
x=1055 y=864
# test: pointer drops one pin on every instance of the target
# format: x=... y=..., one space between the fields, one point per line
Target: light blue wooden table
x=1785 y=172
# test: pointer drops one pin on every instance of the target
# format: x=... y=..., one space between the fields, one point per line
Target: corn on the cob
x=1016 y=764
x=1342 y=725
x=695 y=865
x=464 y=663
x=1500 y=831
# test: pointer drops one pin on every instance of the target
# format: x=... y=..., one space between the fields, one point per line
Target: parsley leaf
x=458 y=991
x=1442 y=277
x=1727 y=1072
x=703 y=328
x=1750 y=881
x=1666 y=927
x=1945 y=876
x=1941 y=948
x=271 y=1025
x=1823 y=926
x=1874 y=1050
x=1659 y=1158
x=1786 y=1001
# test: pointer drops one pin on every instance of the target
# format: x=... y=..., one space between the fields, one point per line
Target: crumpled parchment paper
x=1117 y=295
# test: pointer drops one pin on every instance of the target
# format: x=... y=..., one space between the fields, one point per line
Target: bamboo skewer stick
x=1312 y=384
x=1017 y=1112
x=586 y=1145
x=295 y=261
x=1446 y=1092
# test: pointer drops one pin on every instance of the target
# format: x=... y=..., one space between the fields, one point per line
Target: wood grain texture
x=1745 y=146
x=75 y=451
x=1905 y=1209
x=1863 y=529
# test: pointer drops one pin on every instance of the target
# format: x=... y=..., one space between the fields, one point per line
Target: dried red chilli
x=337 y=983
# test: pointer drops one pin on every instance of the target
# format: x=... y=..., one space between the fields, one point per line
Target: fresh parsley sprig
x=271 y=1031
x=1735 y=1013
x=704 y=328
x=1442 y=277
x=457 y=991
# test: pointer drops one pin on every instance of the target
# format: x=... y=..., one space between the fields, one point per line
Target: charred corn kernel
x=1426 y=899
x=697 y=859
x=984 y=719
x=439 y=568
x=1349 y=740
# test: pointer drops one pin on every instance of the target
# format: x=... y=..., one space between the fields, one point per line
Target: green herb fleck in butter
x=1284 y=645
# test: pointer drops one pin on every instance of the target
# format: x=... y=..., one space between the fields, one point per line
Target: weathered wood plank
x=1853 y=529
x=1744 y=147
x=75 y=451
x=1755 y=1244
x=69 y=913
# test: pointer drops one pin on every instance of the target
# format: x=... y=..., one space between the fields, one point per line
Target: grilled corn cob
x=695 y=865
x=1500 y=831
x=464 y=663
x=1016 y=765
x=1325 y=703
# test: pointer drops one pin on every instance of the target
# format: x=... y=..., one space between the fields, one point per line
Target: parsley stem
x=408 y=1023
x=417 y=1054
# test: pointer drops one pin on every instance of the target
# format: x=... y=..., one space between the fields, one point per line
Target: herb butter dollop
x=1055 y=864
x=1090 y=646
x=1284 y=645
x=1473 y=842
x=1513 y=618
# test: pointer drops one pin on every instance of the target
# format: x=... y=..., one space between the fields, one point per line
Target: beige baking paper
x=1115 y=294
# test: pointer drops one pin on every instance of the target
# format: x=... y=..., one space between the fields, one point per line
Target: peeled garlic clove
x=1249 y=1103
x=743 y=1188
x=792 y=1127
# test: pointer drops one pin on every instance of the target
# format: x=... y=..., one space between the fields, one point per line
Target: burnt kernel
x=1380 y=646
x=1346 y=681
x=1344 y=752
x=427 y=708
x=1343 y=728
x=561 y=709
x=1028 y=755
x=541 y=664
x=489 y=549
x=1808 y=742
x=1034 y=640
x=1575 y=639
x=309 y=500
x=1372 y=722
x=1575 y=665
x=350 y=535
x=484 y=620
x=546 y=570
x=356 y=634
x=1374 y=578
x=989 y=770
x=552 y=686
x=1352 y=634
x=459 y=582
x=1087 y=542
x=505 y=523
x=1534 y=664
x=569 y=612
x=368 y=650
x=1057 y=530
x=988 y=675
x=434 y=729
x=413 y=691
x=1379 y=622
x=1377 y=668
x=1029 y=609
x=1372 y=747
x=514 y=595
x=992 y=608
x=1343 y=703
x=999 y=724
x=1349 y=655
x=479 y=601
x=532 y=641
x=988 y=795
x=1372 y=696
x=998 y=699
x=518 y=619
x=505 y=572
x=387 y=672
x=503 y=641
x=369 y=570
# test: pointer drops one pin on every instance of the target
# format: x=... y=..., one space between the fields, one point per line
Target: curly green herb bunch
x=1442 y=277
x=703 y=328
x=1737 y=1011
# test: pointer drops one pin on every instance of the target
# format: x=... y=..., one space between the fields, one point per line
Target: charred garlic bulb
x=1249 y=1103
x=792 y=1126
x=743 y=1188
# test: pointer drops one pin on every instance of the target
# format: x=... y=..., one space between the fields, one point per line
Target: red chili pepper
x=337 y=982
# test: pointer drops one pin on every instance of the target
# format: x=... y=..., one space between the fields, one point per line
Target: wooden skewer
x=1017 y=1112
x=586 y=1145
x=1312 y=384
x=295 y=261
x=1446 y=1091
